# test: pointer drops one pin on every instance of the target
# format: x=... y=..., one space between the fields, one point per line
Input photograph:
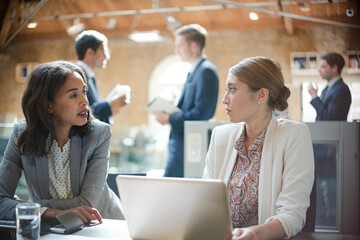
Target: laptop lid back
x=174 y=208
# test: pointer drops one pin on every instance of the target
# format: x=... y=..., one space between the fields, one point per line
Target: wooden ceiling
x=54 y=17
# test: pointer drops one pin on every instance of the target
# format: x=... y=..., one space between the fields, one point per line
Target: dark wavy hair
x=43 y=84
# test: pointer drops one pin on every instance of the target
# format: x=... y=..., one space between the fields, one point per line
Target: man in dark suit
x=334 y=102
x=199 y=97
x=92 y=51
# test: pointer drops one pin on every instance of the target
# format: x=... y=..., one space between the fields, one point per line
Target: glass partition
x=327 y=201
x=138 y=150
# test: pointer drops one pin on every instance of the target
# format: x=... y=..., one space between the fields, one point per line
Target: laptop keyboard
x=8 y=224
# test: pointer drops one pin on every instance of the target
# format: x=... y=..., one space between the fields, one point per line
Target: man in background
x=334 y=101
x=93 y=52
x=199 y=96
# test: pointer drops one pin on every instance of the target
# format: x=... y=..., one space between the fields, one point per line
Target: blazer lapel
x=181 y=99
x=75 y=162
x=93 y=89
x=266 y=163
x=42 y=174
x=329 y=94
x=231 y=159
x=42 y=171
x=93 y=93
x=188 y=81
x=231 y=156
x=193 y=73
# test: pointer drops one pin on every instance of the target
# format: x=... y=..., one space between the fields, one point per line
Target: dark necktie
x=181 y=99
x=187 y=77
x=93 y=80
x=324 y=93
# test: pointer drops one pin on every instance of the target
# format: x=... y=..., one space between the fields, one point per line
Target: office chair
x=7 y=234
x=311 y=211
x=112 y=182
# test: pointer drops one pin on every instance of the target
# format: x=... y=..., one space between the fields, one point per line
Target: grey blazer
x=89 y=156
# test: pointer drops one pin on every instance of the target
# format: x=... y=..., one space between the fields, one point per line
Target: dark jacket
x=335 y=105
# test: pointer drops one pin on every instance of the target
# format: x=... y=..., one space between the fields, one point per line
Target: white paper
x=118 y=91
x=162 y=105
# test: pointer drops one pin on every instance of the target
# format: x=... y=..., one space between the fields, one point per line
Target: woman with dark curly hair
x=60 y=148
x=266 y=163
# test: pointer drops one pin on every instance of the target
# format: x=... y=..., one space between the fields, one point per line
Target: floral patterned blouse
x=244 y=182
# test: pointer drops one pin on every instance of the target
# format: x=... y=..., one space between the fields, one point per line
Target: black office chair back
x=112 y=182
x=311 y=212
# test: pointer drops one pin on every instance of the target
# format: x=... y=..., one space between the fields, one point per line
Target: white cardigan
x=286 y=171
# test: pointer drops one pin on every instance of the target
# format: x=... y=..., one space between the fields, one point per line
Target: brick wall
x=132 y=63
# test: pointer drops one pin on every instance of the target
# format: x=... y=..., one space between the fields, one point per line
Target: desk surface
x=117 y=229
x=109 y=230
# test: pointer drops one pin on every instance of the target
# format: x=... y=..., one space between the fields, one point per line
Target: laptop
x=174 y=208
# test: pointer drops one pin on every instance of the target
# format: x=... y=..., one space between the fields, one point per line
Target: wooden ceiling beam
x=37 y=7
x=289 y=28
x=5 y=28
x=65 y=23
x=289 y=15
x=175 y=9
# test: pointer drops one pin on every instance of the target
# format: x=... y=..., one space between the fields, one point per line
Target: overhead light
x=253 y=16
x=147 y=36
x=304 y=7
x=172 y=23
x=76 y=28
x=350 y=12
x=32 y=25
x=111 y=23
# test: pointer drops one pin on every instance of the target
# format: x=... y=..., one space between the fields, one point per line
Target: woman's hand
x=249 y=233
x=312 y=89
x=270 y=230
x=85 y=213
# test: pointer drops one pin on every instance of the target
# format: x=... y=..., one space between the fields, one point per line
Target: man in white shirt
x=93 y=52
x=334 y=101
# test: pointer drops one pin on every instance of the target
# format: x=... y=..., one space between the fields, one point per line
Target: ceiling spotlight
x=111 y=23
x=147 y=36
x=76 y=28
x=172 y=23
x=304 y=7
x=253 y=16
x=32 y=25
x=350 y=12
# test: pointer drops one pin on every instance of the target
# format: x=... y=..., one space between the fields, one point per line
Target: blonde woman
x=266 y=163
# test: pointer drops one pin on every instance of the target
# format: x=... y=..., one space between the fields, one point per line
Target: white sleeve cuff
x=42 y=210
